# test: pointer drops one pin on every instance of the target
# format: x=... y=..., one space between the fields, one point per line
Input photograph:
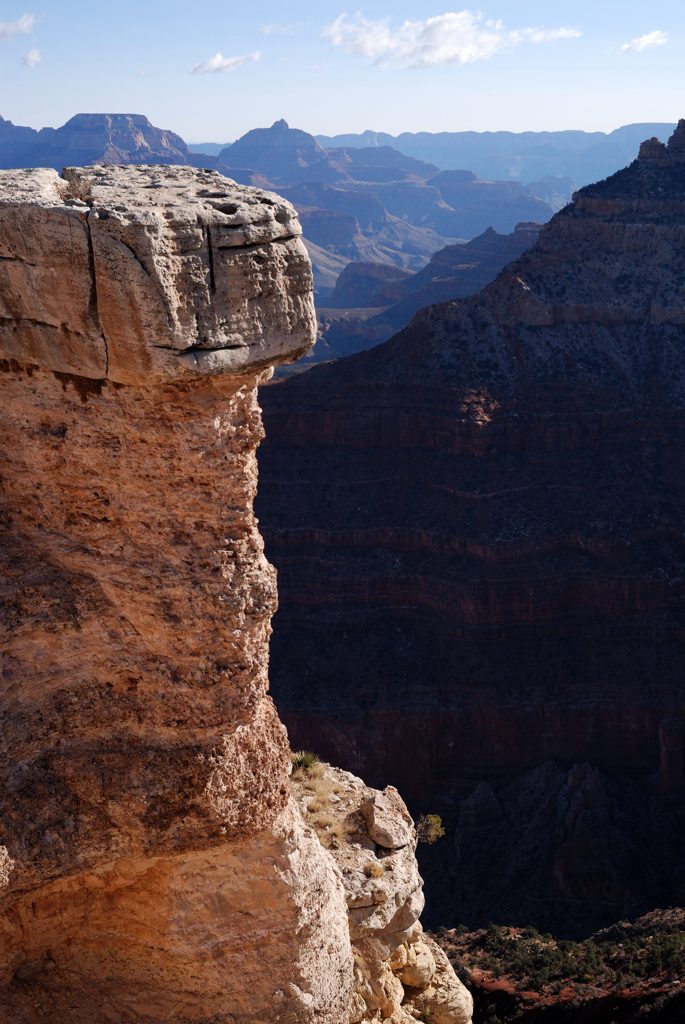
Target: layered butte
x=478 y=526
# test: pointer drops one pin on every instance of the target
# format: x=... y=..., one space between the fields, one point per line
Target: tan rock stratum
x=153 y=863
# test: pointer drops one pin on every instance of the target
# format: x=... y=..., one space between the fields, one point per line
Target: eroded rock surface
x=153 y=866
x=144 y=273
x=400 y=974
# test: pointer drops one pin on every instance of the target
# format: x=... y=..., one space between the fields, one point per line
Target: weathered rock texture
x=138 y=273
x=400 y=974
x=478 y=526
x=153 y=864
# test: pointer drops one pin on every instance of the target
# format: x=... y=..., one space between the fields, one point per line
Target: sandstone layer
x=154 y=866
x=478 y=525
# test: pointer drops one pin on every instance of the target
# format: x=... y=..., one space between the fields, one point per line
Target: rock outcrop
x=455 y=272
x=478 y=525
x=400 y=973
x=368 y=285
x=154 y=866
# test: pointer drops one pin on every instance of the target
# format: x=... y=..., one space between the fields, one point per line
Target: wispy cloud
x=281 y=30
x=33 y=57
x=220 y=63
x=646 y=42
x=456 y=38
x=14 y=28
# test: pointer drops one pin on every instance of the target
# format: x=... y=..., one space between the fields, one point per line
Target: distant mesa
x=520 y=156
x=94 y=139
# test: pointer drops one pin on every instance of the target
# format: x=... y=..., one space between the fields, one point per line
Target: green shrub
x=429 y=828
x=303 y=759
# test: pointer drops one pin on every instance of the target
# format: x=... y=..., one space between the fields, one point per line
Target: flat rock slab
x=142 y=273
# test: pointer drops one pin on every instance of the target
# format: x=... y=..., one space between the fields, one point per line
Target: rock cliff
x=154 y=865
x=150 y=846
x=478 y=525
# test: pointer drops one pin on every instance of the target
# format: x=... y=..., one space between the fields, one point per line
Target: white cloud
x=455 y=38
x=33 y=57
x=280 y=30
x=14 y=28
x=646 y=42
x=220 y=63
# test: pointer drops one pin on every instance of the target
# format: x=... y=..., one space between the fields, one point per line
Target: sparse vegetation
x=310 y=778
x=304 y=759
x=429 y=828
x=626 y=958
x=373 y=869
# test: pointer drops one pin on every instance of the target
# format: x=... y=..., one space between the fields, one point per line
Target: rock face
x=153 y=864
x=564 y=849
x=400 y=974
x=478 y=525
x=367 y=285
x=133 y=273
x=455 y=272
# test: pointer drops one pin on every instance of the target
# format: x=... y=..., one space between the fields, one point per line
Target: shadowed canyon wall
x=478 y=525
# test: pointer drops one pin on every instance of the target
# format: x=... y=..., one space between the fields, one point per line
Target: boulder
x=387 y=819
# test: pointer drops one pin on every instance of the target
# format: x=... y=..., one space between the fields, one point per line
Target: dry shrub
x=429 y=828
x=317 y=786
x=372 y=869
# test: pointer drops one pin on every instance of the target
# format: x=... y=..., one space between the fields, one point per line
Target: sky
x=211 y=69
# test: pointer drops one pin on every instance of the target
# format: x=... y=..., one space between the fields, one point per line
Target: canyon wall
x=154 y=865
x=478 y=525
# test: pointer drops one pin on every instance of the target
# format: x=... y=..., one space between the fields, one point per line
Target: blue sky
x=212 y=70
